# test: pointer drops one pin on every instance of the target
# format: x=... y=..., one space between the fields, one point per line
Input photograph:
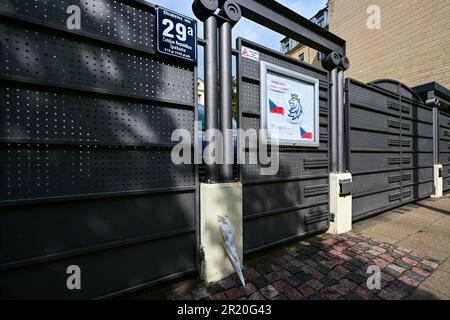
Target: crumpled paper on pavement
x=230 y=245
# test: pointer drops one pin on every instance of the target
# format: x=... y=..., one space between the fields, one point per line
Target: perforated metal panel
x=294 y=202
x=38 y=55
x=86 y=177
x=130 y=25
x=50 y=116
x=390 y=135
x=39 y=172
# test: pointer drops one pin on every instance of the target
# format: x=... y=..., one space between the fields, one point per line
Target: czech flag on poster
x=274 y=108
x=305 y=134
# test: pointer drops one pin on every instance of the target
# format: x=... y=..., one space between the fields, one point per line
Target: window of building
x=321 y=21
x=322 y=56
x=285 y=46
x=301 y=57
x=288 y=44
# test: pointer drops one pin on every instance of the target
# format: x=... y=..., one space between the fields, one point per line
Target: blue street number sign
x=176 y=34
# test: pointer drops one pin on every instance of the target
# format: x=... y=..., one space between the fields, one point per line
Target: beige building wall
x=201 y=92
x=412 y=46
x=311 y=55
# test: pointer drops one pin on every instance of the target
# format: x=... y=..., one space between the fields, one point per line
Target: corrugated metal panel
x=444 y=143
x=391 y=146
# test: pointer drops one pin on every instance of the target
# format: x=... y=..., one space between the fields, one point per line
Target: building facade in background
x=412 y=44
x=299 y=51
x=201 y=91
x=405 y=40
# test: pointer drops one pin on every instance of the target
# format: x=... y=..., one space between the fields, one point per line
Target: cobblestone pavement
x=424 y=227
x=325 y=267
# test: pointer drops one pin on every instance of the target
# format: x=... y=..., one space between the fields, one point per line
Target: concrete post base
x=438 y=182
x=223 y=199
x=340 y=204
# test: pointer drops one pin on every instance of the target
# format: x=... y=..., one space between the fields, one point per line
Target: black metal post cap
x=231 y=11
x=332 y=61
x=203 y=9
x=345 y=63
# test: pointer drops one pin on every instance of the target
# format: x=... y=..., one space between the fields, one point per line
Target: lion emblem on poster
x=295 y=109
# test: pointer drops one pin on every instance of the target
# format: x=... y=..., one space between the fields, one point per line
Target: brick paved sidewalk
x=325 y=267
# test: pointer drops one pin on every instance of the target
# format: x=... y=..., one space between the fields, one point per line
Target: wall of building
x=412 y=46
x=201 y=92
x=311 y=55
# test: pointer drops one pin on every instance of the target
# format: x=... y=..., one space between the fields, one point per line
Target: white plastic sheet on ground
x=230 y=245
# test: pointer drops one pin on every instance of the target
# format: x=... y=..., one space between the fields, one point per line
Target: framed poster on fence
x=289 y=106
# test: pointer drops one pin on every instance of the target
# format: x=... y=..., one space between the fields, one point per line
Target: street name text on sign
x=176 y=34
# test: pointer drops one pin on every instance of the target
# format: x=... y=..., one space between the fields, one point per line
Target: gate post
x=230 y=14
x=340 y=188
x=219 y=199
x=204 y=11
x=438 y=185
x=342 y=151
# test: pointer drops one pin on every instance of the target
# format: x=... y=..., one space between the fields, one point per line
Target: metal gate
x=390 y=146
x=444 y=148
x=293 y=203
x=86 y=175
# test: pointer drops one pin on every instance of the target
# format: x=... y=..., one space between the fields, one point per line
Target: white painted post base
x=340 y=206
x=438 y=182
x=223 y=199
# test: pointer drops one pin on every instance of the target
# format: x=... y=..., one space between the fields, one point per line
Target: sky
x=246 y=28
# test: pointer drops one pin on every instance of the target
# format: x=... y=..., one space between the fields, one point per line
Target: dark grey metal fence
x=86 y=177
x=444 y=141
x=293 y=203
x=390 y=146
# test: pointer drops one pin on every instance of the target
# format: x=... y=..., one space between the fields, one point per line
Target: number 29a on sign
x=176 y=34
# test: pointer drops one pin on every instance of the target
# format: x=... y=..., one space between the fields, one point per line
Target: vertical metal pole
x=340 y=122
x=434 y=103
x=211 y=90
x=225 y=88
x=333 y=120
x=336 y=94
x=435 y=134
